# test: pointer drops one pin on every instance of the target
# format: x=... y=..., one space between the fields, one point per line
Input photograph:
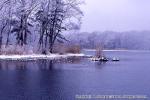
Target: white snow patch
x=38 y=56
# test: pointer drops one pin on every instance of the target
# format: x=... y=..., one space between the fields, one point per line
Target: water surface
x=62 y=80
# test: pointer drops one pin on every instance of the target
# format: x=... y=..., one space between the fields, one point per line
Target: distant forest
x=131 y=40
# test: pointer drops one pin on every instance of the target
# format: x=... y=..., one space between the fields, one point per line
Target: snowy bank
x=38 y=56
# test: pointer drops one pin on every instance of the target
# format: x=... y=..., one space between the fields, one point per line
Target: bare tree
x=4 y=20
x=21 y=22
x=56 y=17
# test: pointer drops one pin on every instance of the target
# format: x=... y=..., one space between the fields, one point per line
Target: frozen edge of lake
x=38 y=56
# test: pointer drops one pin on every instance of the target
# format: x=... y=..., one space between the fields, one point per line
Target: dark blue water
x=63 y=80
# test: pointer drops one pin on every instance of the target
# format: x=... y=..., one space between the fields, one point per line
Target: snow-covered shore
x=38 y=56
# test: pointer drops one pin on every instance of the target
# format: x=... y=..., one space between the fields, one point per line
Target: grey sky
x=116 y=15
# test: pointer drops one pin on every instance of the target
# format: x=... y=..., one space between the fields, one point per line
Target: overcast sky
x=116 y=15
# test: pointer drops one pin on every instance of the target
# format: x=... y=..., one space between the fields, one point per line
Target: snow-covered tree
x=50 y=18
x=22 y=20
x=54 y=17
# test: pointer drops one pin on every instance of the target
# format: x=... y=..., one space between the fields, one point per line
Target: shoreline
x=39 y=56
x=119 y=50
x=57 y=56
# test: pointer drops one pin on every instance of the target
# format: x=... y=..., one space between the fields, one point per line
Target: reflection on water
x=38 y=64
x=65 y=78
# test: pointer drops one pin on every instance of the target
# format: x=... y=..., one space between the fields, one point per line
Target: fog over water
x=116 y=15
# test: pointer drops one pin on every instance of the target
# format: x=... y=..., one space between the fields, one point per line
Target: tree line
x=129 y=40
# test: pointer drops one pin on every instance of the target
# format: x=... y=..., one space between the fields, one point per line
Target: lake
x=66 y=78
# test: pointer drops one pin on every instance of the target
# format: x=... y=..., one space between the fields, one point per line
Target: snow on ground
x=38 y=56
